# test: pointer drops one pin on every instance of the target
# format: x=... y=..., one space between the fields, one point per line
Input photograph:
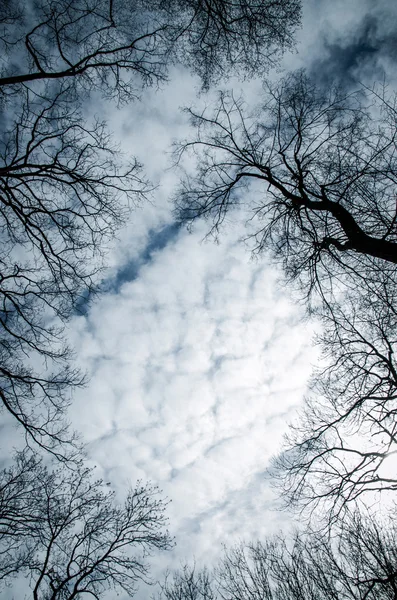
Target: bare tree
x=325 y=168
x=188 y=584
x=63 y=194
x=344 y=442
x=67 y=535
x=317 y=172
x=358 y=563
x=117 y=46
x=219 y=37
x=64 y=187
x=18 y=513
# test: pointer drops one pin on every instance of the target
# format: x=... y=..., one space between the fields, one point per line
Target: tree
x=18 y=487
x=325 y=163
x=66 y=535
x=188 y=584
x=358 y=563
x=63 y=196
x=117 y=46
x=64 y=187
x=321 y=166
x=343 y=444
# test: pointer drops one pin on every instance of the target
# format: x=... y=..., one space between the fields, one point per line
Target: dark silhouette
x=64 y=532
x=64 y=187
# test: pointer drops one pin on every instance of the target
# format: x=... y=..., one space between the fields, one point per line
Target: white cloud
x=197 y=365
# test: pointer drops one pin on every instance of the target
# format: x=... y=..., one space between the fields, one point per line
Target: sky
x=199 y=355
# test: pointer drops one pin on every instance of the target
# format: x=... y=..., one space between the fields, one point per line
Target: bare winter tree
x=324 y=165
x=117 y=46
x=344 y=443
x=317 y=172
x=64 y=187
x=188 y=584
x=359 y=563
x=18 y=514
x=66 y=534
x=64 y=193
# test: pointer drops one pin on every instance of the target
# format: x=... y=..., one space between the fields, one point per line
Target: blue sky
x=198 y=355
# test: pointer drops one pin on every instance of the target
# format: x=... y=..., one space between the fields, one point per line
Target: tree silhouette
x=343 y=444
x=358 y=562
x=65 y=189
x=66 y=534
x=64 y=193
x=316 y=169
x=325 y=167
x=117 y=47
x=188 y=584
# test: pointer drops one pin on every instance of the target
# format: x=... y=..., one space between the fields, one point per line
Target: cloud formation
x=197 y=364
x=363 y=56
x=348 y=43
x=197 y=357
